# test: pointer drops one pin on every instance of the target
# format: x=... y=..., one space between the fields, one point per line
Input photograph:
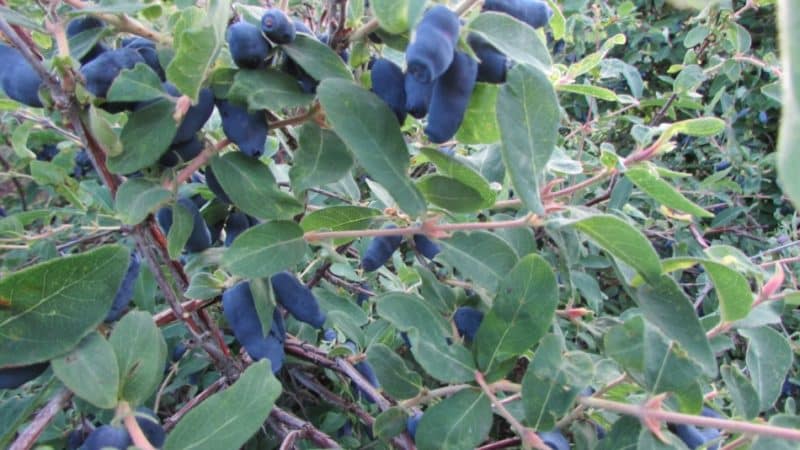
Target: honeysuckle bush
x=613 y=209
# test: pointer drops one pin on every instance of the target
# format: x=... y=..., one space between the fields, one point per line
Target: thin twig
x=529 y=438
x=642 y=412
x=27 y=439
x=170 y=422
x=318 y=437
x=196 y=163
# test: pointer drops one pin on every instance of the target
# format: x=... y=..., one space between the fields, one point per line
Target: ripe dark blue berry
x=237 y=223
x=411 y=424
x=493 y=65
x=83 y=165
x=200 y=238
x=535 y=13
x=147 y=49
x=47 y=153
x=278 y=27
x=366 y=370
x=329 y=335
x=450 y=98
x=248 y=47
x=182 y=151
x=14 y=377
x=19 y=80
x=297 y=299
x=240 y=312
x=418 y=96
x=379 y=250
x=555 y=440
x=435 y=39
x=216 y=188
x=388 y=83
x=427 y=247
x=468 y=320
x=125 y=292
x=196 y=116
x=101 y=72
x=108 y=436
x=151 y=426
x=245 y=129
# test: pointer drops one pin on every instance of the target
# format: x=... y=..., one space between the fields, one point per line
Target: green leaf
x=141 y=352
x=90 y=371
x=662 y=357
x=528 y=115
x=267 y=89
x=395 y=378
x=767 y=442
x=625 y=344
x=521 y=314
x=769 y=357
x=664 y=304
x=321 y=158
x=480 y=256
x=340 y=218
x=102 y=130
x=46 y=309
x=788 y=159
x=733 y=291
x=330 y=302
x=252 y=187
x=505 y=33
x=451 y=167
x=196 y=46
x=552 y=382
x=370 y=130
x=589 y=90
x=593 y=60
x=316 y=58
x=145 y=137
x=624 y=435
x=181 y=229
x=228 y=419
x=741 y=391
x=390 y=423
x=137 y=84
x=702 y=127
x=428 y=333
x=392 y=15
x=623 y=241
x=439 y=295
x=266 y=249
x=450 y=194
x=458 y=422
x=480 y=119
x=648 y=181
x=137 y=198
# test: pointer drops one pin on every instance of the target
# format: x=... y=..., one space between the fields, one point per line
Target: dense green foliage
x=443 y=227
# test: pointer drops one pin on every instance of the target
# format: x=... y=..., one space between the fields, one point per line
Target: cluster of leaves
x=609 y=217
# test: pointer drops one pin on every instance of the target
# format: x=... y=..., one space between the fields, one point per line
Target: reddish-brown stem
x=643 y=413
x=134 y=430
x=170 y=422
x=196 y=163
x=27 y=439
x=529 y=438
x=318 y=437
x=504 y=443
x=426 y=229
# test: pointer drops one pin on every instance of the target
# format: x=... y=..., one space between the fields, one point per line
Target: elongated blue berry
x=493 y=63
x=388 y=83
x=425 y=246
x=450 y=98
x=19 y=80
x=379 y=250
x=245 y=129
x=418 y=96
x=435 y=39
x=468 y=320
x=297 y=299
x=535 y=13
